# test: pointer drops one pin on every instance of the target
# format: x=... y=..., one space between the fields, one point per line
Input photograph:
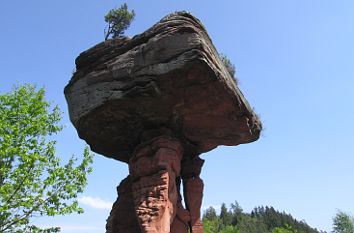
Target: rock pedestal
x=151 y=193
x=156 y=102
x=154 y=168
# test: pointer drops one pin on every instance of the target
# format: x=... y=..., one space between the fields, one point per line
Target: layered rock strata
x=157 y=101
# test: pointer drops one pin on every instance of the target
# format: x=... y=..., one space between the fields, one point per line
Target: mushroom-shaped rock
x=167 y=77
x=157 y=101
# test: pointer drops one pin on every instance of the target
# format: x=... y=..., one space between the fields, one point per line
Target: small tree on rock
x=118 y=20
x=229 y=66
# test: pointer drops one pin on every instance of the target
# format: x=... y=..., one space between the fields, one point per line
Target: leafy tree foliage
x=33 y=182
x=210 y=214
x=343 y=223
x=229 y=229
x=260 y=220
x=225 y=216
x=211 y=226
x=118 y=20
x=250 y=225
x=236 y=213
x=286 y=229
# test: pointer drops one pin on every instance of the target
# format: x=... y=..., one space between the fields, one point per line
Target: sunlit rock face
x=157 y=101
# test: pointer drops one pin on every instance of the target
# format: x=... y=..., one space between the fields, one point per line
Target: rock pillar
x=193 y=191
x=149 y=199
x=154 y=168
x=180 y=223
x=122 y=218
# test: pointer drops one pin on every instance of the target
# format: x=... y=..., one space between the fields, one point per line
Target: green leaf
x=33 y=180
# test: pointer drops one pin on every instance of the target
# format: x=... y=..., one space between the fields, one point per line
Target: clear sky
x=294 y=61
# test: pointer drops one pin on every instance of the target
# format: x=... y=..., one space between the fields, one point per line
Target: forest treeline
x=260 y=220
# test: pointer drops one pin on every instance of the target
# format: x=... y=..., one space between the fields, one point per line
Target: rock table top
x=168 y=78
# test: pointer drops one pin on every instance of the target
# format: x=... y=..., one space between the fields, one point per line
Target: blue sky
x=294 y=61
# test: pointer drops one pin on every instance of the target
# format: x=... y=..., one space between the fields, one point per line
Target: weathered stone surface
x=150 y=196
x=122 y=218
x=181 y=222
x=154 y=168
x=193 y=191
x=155 y=171
x=157 y=101
x=169 y=76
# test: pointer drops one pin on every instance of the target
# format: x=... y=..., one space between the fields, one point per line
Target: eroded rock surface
x=122 y=218
x=151 y=193
x=193 y=191
x=169 y=76
x=157 y=101
x=154 y=168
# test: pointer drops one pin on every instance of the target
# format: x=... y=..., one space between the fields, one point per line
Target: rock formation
x=157 y=101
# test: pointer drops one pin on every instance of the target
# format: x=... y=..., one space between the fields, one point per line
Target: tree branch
x=109 y=31
x=19 y=186
x=26 y=215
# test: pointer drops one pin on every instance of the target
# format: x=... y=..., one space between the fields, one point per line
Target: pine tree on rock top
x=118 y=20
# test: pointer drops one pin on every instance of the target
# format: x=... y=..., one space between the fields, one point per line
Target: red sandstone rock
x=122 y=218
x=170 y=76
x=180 y=223
x=154 y=167
x=193 y=191
x=156 y=102
x=194 y=194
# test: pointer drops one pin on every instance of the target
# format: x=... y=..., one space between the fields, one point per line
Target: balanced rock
x=157 y=101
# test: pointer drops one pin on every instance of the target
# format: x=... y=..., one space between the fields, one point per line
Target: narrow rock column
x=153 y=168
x=181 y=222
x=193 y=191
x=122 y=218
